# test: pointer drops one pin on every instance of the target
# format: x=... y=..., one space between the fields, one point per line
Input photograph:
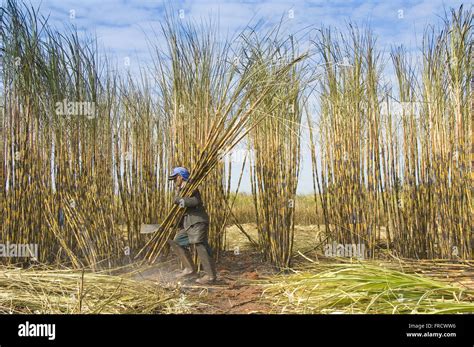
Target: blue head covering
x=183 y=172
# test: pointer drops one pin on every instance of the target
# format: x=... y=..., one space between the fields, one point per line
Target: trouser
x=197 y=235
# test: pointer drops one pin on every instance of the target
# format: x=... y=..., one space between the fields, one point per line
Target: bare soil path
x=232 y=293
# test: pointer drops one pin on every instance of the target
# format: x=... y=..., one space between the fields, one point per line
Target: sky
x=123 y=27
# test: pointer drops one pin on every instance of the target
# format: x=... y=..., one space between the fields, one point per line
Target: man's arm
x=192 y=201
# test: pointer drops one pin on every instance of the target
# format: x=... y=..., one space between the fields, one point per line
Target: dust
x=163 y=274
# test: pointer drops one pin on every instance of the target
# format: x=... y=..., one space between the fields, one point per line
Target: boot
x=185 y=257
x=207 y=264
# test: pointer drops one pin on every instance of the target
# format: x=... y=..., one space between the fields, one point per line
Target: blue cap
x=183 y=172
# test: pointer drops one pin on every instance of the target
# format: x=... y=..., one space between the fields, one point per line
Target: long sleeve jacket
x=195 y=210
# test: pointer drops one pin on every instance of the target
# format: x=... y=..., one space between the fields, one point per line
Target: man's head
x=179 y=175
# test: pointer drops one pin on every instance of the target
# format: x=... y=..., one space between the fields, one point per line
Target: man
x=193 y=230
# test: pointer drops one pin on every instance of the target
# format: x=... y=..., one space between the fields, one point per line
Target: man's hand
x=192 y=201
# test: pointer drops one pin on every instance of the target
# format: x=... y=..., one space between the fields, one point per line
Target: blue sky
x=122 y=26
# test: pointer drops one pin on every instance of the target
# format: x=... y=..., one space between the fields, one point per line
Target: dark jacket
x=195 y=210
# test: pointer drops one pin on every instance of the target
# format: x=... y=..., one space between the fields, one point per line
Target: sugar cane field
x=271 y=169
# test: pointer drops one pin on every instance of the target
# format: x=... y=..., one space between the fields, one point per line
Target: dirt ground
x=231 y=293
x=237 y=292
